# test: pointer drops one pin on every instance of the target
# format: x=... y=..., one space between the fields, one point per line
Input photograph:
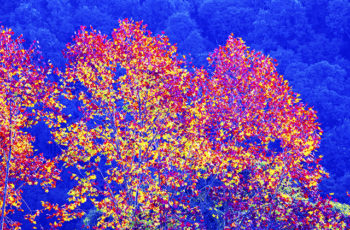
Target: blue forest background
x=310 y=39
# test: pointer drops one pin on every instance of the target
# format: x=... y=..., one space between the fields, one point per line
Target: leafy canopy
x=159 y=145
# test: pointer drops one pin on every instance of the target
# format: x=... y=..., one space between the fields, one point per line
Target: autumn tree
x=132 y=135
x=160 y=145
x=25 y=98
x=265 y=140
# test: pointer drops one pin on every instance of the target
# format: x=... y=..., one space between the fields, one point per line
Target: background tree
x=155 y=13
x=338 y=19
x=221 y=18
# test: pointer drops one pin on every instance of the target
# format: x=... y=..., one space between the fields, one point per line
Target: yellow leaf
x=93 y=177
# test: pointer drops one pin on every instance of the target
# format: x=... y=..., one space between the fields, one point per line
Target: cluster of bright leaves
x=159 y=145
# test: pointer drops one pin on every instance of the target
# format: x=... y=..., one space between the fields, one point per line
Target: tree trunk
x=7 y=176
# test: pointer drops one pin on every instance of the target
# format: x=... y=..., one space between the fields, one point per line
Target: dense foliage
x=310 y=39
x=158 y=144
